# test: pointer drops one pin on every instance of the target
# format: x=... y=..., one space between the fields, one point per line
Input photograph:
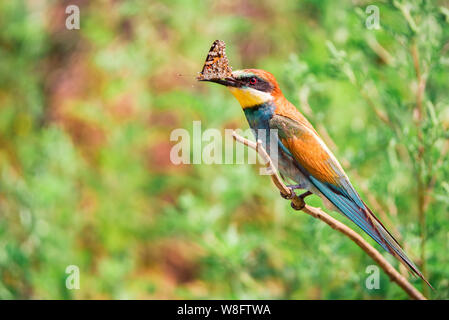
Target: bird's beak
x=228 y=82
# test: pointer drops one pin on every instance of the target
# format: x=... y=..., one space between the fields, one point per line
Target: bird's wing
x=320 y=166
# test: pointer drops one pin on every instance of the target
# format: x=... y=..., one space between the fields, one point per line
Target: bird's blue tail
x=347 y=201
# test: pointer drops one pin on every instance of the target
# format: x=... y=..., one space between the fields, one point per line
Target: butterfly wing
x=216 y=65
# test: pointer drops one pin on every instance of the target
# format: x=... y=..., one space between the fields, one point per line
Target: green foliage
x=85 y=123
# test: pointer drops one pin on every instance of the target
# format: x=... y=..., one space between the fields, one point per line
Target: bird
x=303 y=157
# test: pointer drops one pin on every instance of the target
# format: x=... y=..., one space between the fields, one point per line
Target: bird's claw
x=298 y=202
x=288 y=196
x=298 y=206
x=295 y=186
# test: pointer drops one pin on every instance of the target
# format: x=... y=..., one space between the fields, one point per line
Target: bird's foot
x=305 y=194
x=299 y=203
x=289 y=196
x=295 y=186
x=292 y=188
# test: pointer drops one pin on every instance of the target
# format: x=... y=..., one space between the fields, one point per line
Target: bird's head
x=251 y=87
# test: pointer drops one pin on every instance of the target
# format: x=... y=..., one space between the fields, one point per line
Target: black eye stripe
x=247 y=79
x=260 y=84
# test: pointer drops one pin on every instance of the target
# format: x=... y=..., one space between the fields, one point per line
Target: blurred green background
x=85 y=123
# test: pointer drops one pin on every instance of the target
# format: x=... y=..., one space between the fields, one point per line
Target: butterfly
x=216 y=65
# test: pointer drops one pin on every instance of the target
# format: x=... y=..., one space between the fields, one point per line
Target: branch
x=422 y=188
x=298 y=204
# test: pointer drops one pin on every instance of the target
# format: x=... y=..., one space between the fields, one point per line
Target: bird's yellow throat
x=248 y=97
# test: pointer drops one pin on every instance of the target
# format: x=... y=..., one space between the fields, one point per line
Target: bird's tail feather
x=395 y=248
x=361 y=215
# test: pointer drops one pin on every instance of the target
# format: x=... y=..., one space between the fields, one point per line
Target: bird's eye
x=253 y=80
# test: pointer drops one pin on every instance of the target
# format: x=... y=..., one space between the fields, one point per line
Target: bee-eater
x=303 y=157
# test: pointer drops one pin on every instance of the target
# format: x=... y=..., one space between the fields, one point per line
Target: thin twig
x=298 y=204
x=422 y=187
x=381 y=52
